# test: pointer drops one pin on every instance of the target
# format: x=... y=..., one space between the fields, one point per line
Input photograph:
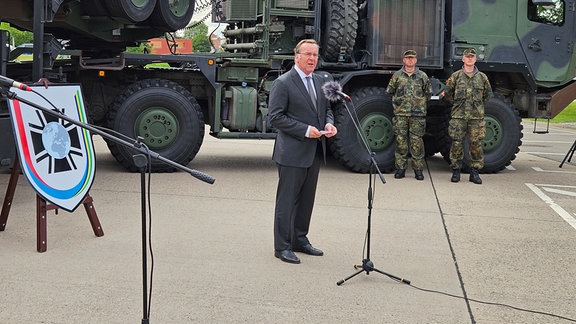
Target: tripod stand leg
x=569 y=154
x=402 y=280
x=349 y=277
x=368 y=266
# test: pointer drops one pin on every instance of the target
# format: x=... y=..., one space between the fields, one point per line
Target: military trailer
x=526 y=47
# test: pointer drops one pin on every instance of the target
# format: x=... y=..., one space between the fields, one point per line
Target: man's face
x=469 y=60
x=409 y=61
x=307 y=58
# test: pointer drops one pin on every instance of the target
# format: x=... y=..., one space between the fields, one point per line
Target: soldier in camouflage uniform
x=468 y=89
x=410 y=91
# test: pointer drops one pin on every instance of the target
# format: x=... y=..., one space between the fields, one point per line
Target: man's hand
x=330 y=130
x=314 y=132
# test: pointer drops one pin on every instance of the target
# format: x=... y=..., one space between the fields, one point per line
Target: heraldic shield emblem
x=56 y=156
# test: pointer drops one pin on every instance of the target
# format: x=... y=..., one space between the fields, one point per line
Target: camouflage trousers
x=409 y=143
x=459 y=129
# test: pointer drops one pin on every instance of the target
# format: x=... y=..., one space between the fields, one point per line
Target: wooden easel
x=41 y=208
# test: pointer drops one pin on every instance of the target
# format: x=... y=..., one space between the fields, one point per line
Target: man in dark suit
x=303 y=119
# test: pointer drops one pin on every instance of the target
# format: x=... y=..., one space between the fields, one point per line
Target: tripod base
x=368 y=266
x=569 y=154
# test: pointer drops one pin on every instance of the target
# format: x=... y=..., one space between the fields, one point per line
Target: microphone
x=333 y=91
x=11 y=83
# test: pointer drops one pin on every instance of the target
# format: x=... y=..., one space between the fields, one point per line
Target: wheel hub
x=378 y=131
x=158 y=127
x=179 y=8
x=493 y=136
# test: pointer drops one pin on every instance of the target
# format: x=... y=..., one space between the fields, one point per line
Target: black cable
x=149 y=207
x=48 y=101
x=373 y=181
x=452 y=252
x=171 y=42
x=460 y=279
x=210 y=37
x=495 y=304
x=150 y=231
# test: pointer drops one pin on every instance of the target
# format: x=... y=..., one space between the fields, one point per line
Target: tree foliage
x=198 y=33
x=553 y=14
x=17 y=37
x=141 y=48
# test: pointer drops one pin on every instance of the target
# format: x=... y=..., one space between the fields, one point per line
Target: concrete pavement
x=497 y=243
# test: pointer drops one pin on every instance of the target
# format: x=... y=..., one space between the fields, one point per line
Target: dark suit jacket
x=291 y=111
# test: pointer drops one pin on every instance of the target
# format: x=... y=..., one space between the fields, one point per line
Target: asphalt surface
x=500 y=252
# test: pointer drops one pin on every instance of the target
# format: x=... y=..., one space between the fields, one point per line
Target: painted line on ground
x=559 y=210
x=543 y=153
x=561 y=192
x=554 y=186
x=551 y=142
x=537 y=169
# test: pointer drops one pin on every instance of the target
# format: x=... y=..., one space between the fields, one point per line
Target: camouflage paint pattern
x=468 y=95
x=503 y=33
x=409 y=143
x=410 y=94
x=458 y=129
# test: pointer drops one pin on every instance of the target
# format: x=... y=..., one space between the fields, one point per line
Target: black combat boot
x=418 y=174
x=455 y=175
x=474 y=177
x=400 y=173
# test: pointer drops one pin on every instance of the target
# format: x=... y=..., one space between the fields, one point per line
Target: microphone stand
x=367 y=264
x=141 y=160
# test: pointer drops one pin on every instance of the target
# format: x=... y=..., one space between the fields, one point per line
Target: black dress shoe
x=287 y=256
x=309 y=249
x=399 y=174
x=418 y=174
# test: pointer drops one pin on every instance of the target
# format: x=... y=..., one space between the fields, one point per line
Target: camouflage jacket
x=468 y=94
x=409 y=93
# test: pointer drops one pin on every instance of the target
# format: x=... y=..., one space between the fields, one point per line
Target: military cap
x=410 y=53
x=469 y=52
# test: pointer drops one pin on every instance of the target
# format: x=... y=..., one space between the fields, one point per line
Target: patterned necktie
x=311 y=90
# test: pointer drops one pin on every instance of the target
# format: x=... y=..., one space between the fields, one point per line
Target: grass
x=568 y=115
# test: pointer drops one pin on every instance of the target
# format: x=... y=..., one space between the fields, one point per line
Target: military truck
x=526 y=47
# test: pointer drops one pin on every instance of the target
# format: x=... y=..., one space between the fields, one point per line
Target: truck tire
x=503 y=134
x=172 y=15
x=133 y=10
x=165 y=115
x=340 y=29
x=373 y=108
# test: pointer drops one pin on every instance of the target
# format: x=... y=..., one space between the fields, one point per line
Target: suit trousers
x=294 y=204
